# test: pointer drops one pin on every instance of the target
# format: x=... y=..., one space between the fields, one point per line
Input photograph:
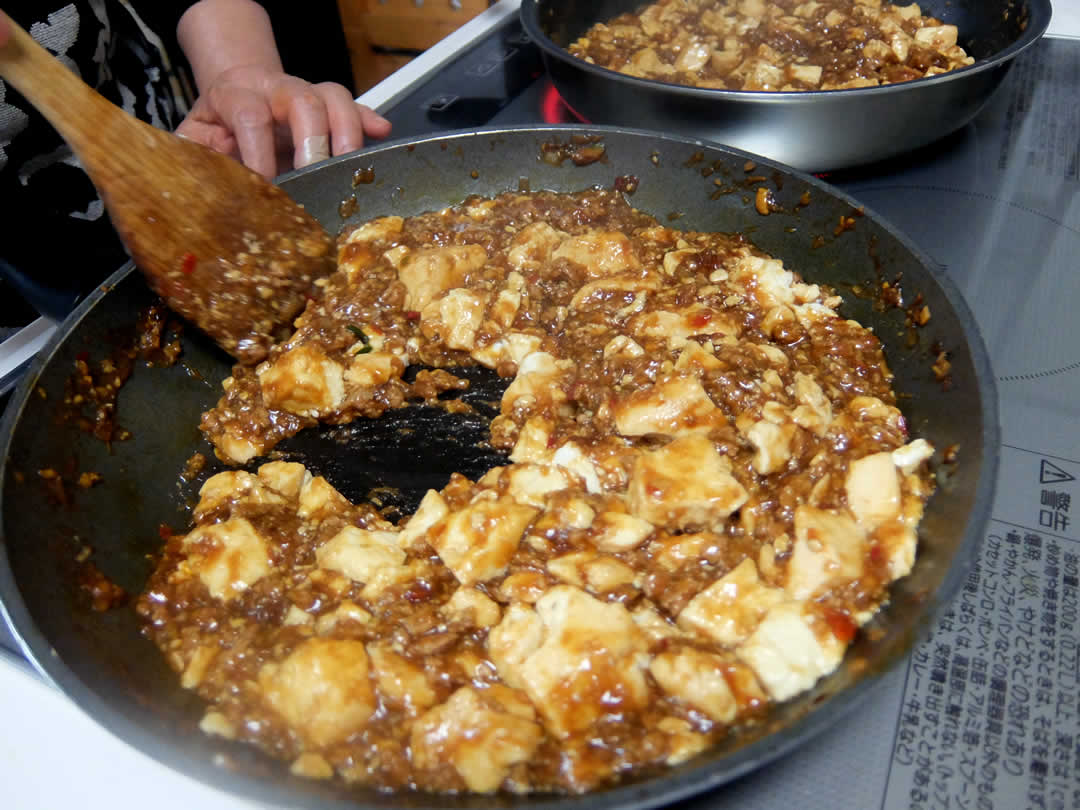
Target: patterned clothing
x=53 y=227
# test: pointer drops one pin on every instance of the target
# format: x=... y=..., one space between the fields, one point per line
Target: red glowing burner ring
x=556 y=111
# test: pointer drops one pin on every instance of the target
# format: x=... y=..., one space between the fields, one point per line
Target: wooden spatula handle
x=68 y=103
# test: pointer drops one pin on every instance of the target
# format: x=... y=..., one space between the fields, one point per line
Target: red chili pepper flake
x=841 y=625
x=187 y=264
x=83 y=357
x=164 y=532
x=412 y=315
x=700 y=319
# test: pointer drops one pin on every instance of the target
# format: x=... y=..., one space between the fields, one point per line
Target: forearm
x=217 y=35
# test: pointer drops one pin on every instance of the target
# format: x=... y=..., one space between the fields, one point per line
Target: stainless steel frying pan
x=820 y=131
x=104 y=664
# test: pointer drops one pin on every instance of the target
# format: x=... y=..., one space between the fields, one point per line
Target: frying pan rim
x=1039 y=21
x=659 y=788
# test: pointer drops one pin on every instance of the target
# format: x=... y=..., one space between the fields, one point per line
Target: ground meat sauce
x=774 y=45
x=709 y=489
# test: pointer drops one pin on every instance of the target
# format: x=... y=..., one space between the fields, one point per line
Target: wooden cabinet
x=383 y=35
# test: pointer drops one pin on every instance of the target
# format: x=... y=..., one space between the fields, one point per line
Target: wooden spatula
x=224 y=247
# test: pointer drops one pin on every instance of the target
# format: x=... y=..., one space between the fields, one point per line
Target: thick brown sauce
x=250 y=632
x=773 y=45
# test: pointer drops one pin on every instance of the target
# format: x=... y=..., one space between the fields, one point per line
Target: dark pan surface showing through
x=103 y=663
x=813 y=131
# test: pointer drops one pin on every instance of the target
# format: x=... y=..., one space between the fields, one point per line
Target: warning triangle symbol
x=1050 y=473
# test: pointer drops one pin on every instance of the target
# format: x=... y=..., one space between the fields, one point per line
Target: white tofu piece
x=765 y=280
x=470 y=606
x=647 y=62
x=295 y=616
x=319 y=498
x=814 y=411
x=454 y=318
x=785 y=653
x=940 y=37
x=897 y=541
x=538 y=379
x=588 y=661
x=345 y=612
x=622 y=345
x=808 y=74
x=685 y=485
x=399 y=680
x=683 y=742
x=382 y=228
x=285 y=477
x=431 y=510
x=532 y=442
x=482 y=734
x=321 y=689
x=197 y=667
x=595 y=572
x=304 y=381
x=359 y=553
x=593 y=291
x=672 y=551
x=672 y=406
x=510 y=643
x=533 y=245
x=523 y=586
x=867 y=408
x=427 y=272
x=234 y=486
x=730 y=609
x=236 y=449
x=387 y=576
x=676 y=328
x=829 y=549
x=911 y=455
x=696 y=678
x=373 y=368
x=696 y=359
x=504 y=308
x=229 y=557
x=618 y=531
x=654 y=624
x=573 y=458
x=772 y=445
x=477 y=542
x=674 y=258
x=512 y=347
x=600 y=253
x=693 y=57
x=530 y=484
x=872 y=486
x=310 y=765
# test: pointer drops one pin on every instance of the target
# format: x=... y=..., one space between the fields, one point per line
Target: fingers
x=297 y=102
x=346 y=125
x=251 y=113
x=325 y=120
x=5 y=30
x=248 y=115
x=209 y=133
x=374 y=124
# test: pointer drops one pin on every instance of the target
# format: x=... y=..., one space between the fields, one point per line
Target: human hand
x=275 y=122
x=5 y=30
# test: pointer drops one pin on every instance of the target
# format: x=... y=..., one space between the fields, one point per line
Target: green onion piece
x=356 y=330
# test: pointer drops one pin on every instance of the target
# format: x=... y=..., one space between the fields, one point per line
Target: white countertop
x=51 y=754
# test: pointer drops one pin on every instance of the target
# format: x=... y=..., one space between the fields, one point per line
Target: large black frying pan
x=820 y=131
x=103 y=663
